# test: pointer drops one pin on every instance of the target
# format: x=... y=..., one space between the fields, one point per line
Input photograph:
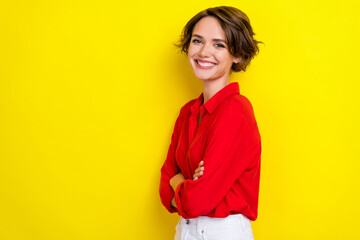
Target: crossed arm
x=179 y=178
x=233 y=145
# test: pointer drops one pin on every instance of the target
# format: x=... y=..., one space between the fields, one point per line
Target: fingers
x=199 y=171
x=197 y=175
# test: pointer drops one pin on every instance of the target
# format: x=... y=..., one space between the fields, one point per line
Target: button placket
x=200 y=226
x=201 y=230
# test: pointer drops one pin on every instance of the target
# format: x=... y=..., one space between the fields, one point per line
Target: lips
x=204 y=64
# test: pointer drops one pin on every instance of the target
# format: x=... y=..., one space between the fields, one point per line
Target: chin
x=203 y=76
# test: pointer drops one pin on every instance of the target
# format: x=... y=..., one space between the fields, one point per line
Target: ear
x=237 y=60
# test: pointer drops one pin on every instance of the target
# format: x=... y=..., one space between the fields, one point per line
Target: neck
x=210 y=87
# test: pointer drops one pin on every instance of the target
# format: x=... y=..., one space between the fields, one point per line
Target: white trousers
x=232 y=227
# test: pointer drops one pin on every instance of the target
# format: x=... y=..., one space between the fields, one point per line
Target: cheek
x=222 y=58
x=189 y=57
x=226 y=62
x=191 y=50
x=227 y=59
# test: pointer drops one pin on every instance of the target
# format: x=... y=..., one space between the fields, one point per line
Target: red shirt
x=228 y=140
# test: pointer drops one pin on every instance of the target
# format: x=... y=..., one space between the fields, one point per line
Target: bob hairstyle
x=237 y=29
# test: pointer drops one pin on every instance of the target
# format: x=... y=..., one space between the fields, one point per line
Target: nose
x=205 y=51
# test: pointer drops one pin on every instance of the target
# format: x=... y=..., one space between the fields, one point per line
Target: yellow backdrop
x=89 y=94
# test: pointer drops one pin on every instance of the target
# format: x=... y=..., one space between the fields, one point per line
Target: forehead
x=209 y=27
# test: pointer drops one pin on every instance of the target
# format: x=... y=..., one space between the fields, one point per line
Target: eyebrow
x=214 y=39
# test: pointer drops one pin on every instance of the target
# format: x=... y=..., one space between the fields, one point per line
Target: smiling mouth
x=204 y=65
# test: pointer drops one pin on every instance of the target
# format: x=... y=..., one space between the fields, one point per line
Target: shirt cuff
x=178 y=202
x=170 y=207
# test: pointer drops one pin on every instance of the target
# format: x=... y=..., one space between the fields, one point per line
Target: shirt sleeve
x=233 y=144
x=170 y=169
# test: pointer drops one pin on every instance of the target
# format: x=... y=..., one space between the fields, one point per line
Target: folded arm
x=227 y=155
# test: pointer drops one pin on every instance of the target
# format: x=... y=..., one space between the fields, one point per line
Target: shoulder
x=184 y=110
x=238 y=110
x=186 y=107
x=237 y=104
x=236 y=115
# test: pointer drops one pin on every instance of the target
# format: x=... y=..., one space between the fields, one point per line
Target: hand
x=173 y=203
x=176 y=180
x=199 y=171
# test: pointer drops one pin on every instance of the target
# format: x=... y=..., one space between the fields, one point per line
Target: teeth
x=206 y=64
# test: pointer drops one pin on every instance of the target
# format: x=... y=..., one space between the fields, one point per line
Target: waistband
x=215 y=222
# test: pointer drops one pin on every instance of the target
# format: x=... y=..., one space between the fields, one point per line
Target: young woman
x=211 y=174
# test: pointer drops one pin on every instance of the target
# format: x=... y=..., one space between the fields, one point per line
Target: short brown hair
x=238 y=31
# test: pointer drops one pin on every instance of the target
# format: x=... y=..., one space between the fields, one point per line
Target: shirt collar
x=217 y=98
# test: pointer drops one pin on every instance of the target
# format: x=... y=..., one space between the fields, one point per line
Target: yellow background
x=89 y=94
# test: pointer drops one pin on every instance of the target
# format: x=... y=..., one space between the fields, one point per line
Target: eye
x=220 y=45
x=196 y=41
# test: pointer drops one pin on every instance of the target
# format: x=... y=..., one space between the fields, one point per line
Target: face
x=208 y=53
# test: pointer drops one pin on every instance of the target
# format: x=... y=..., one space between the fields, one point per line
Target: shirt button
x=187 y=221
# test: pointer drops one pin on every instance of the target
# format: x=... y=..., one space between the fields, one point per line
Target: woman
x=212 y=171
